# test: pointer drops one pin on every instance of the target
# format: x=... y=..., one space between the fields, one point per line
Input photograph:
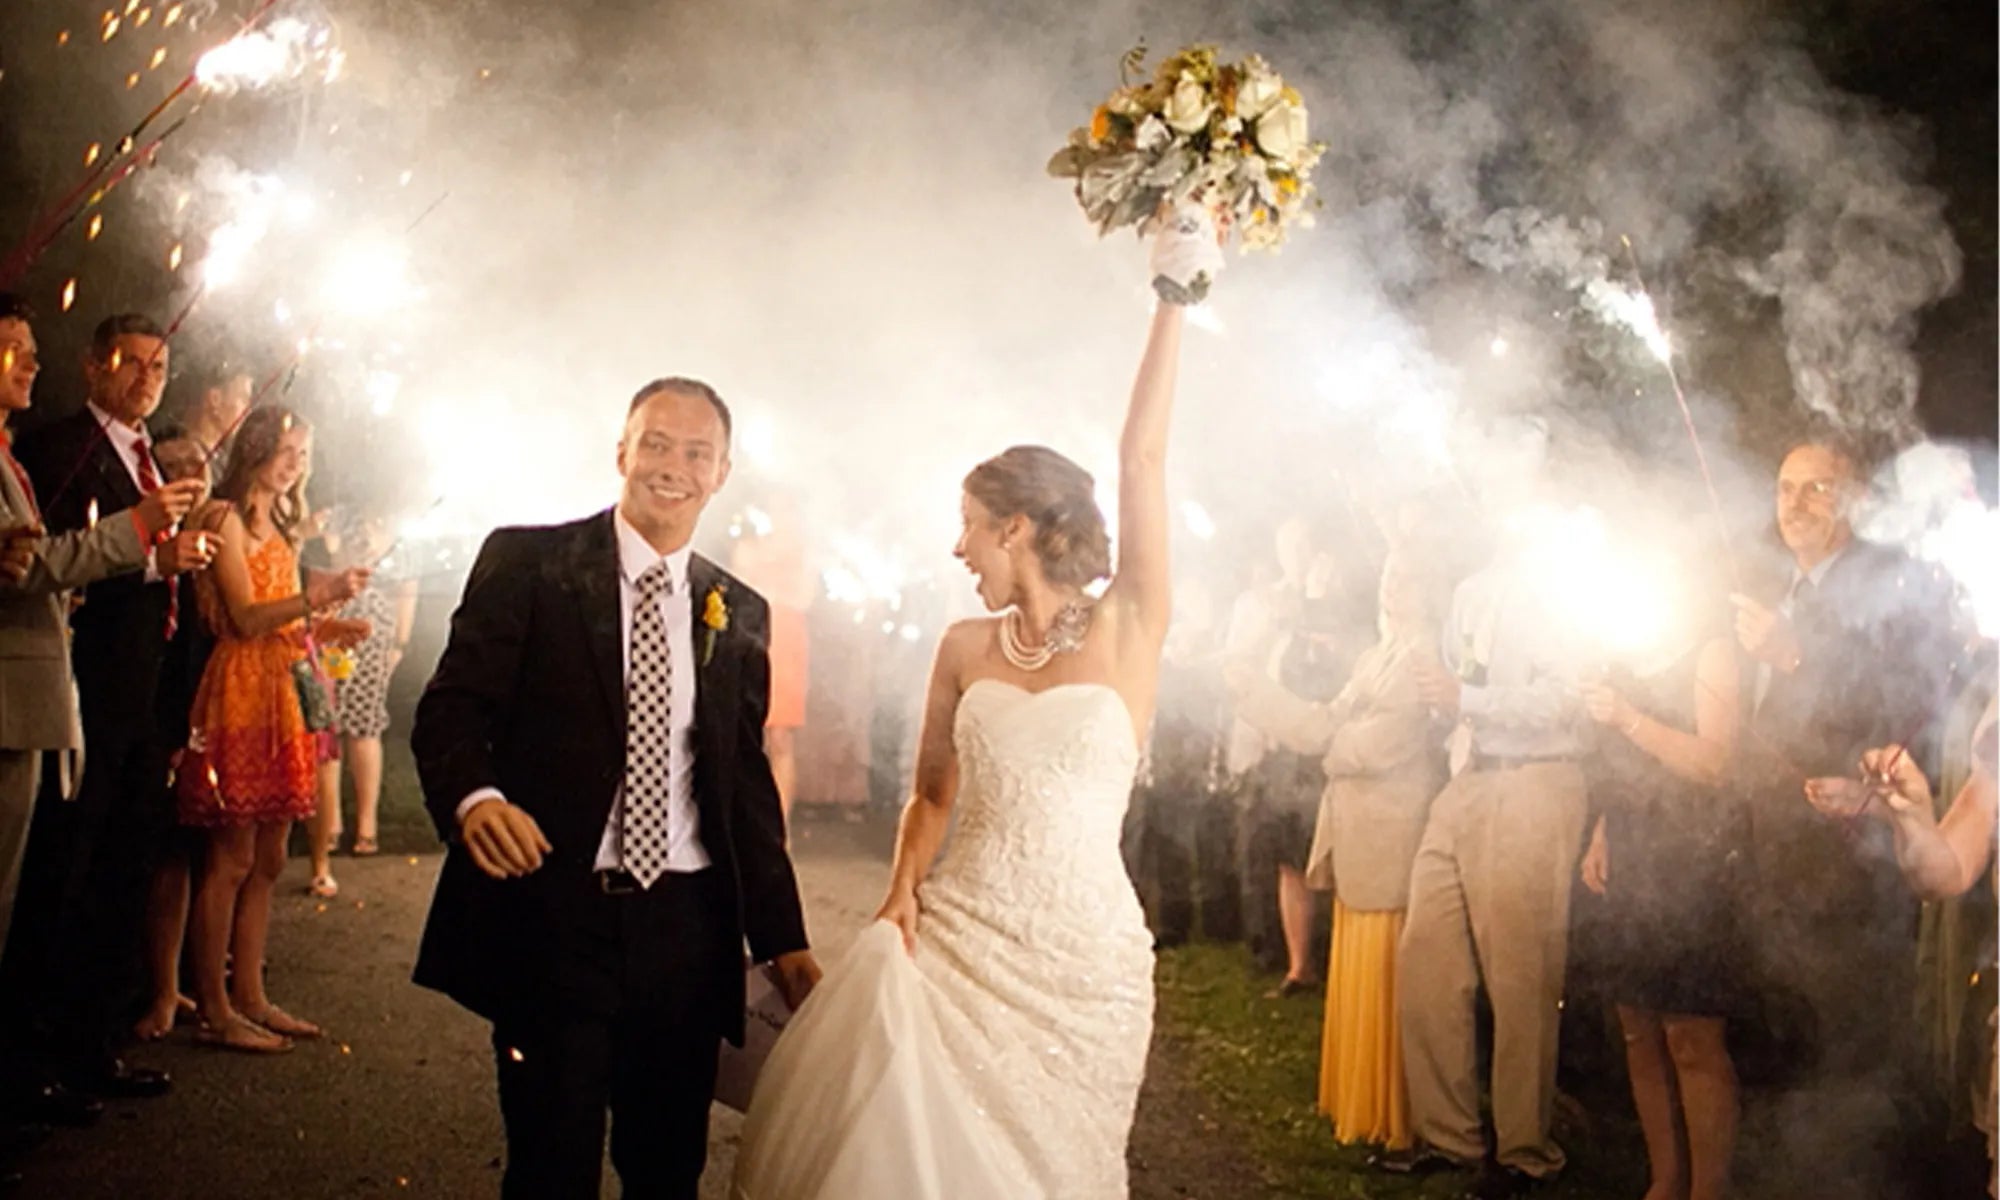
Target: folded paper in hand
x=764 y=1016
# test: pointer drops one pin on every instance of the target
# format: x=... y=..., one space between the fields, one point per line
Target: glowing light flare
x=111 y=25
x=1198 y=521
x=171 y=17
x=174 y=258
x=1498 y=346
x=90 y=514
x=69 y=294
x=1634 y=311
x=759 y=521
x=382 y=388
x=95 y=227
x=757 y=440
x=91 y=153
x=370 y=275
x=259 y=57
x=1613 y=596
x=159 y=56
x=145 y=15
x=62 y=38
x=132 y=81
x=1963 y=543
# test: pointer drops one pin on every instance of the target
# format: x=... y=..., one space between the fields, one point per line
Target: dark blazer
x=120 y=631
x=529 y=698
x=1873 y=653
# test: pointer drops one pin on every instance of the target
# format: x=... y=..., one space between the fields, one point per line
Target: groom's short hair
x=687 y=387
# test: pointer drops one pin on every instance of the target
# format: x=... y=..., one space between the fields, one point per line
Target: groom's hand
x=504 y=841
x=797 y=973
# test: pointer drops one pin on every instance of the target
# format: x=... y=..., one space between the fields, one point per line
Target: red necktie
x=149 y=482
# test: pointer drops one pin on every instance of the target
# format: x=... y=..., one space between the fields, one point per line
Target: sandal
x=284 y=1024
x=326 y=887
x=241 y=1033
x=364 y=846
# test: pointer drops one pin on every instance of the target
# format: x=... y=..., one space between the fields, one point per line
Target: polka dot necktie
x=642 y=829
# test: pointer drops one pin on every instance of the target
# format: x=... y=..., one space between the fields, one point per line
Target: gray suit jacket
x=1382 y=772
x=37 y=693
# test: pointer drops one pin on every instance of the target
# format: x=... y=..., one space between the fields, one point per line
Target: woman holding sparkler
x=251 y=759
x=1660 y=855
x=362 y=696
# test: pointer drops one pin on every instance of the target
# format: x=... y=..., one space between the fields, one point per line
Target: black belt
x=1503 y=762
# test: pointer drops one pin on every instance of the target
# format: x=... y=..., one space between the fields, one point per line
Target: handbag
x=314 y=703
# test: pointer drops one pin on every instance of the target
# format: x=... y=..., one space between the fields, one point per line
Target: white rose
x=1281 y=133
x=1256 y=94
x=1151 y=134
x=1188 y=108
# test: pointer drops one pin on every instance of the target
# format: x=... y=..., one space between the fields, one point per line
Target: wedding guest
x=1275 y=788
x=212 y=416
x=1844 y=659
x=249 y=768
x=1174 y=780
x=177 y=848
x=1490 y=887
x=79 y=929
x=1938 y=857
x=1382 y=770
x=1663 y=855
x=361 y=699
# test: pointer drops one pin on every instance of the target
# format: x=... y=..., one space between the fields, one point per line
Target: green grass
x=1256 y=1062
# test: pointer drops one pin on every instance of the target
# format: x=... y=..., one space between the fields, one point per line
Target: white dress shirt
x=684 y=849
x=126 y=441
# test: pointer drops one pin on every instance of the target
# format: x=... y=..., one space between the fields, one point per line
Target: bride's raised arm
x=1141 y=585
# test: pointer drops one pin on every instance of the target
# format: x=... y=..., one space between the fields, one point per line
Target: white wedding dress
x=1002 y=1063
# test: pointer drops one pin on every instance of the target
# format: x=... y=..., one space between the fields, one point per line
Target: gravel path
x=398 y=1100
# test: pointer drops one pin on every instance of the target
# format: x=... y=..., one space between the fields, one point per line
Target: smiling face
x=674 y=457
x=18 y=365
x=1815 y=491
x=988 y=546
x=291 y=461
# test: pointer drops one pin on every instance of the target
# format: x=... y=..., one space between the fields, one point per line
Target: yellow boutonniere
x=715 y=615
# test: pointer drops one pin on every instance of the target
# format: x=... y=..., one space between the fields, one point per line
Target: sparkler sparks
x=174 y=258
x=257 y=58
x=96 y=227
x=91 y=153
x=69 y=294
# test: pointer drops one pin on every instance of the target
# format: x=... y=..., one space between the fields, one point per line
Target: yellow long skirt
x=1361 y=1052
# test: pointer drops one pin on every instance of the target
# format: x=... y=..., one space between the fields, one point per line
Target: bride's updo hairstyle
x=1060 y=498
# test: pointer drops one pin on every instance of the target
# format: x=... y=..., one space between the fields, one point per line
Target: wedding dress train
x=1004 y=1061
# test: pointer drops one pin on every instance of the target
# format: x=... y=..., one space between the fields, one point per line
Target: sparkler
x=1640 y=316
x=42 y=232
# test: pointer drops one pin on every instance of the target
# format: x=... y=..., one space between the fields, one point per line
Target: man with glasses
x=1844 y=659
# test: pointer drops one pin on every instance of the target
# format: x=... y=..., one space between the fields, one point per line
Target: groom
x=591 y=748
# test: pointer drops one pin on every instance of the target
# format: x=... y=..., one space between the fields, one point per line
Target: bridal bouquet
x=1230 y=138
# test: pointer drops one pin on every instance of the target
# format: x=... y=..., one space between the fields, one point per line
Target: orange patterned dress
x=250 y=756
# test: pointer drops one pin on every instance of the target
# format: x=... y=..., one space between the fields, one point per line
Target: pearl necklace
x=1065 y=636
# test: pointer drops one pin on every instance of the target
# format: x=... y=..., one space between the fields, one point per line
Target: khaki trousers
x=20 y=778
x=1489 y=897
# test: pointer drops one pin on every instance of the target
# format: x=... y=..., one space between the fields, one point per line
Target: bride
x=985 y=1038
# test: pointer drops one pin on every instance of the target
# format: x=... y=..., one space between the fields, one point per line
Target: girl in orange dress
x=250 y=766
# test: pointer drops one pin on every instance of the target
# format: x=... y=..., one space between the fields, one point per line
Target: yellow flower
x=715 y=613
x=1287 y=185
x=1100 y=127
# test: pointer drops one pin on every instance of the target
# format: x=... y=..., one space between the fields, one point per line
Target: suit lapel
x=594 y=576
x=115 y=482
x=711 y=680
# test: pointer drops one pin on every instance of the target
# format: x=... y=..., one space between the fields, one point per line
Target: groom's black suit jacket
x=529 y=698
